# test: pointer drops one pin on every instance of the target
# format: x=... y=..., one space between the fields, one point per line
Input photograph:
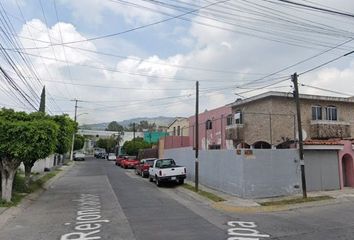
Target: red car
x=119 y=158
x=129 y=162
x=142 y=168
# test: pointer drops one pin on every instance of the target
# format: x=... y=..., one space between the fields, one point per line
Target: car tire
x=150 y=179
x=142 y=174
x=181 y=181
x=158 y=183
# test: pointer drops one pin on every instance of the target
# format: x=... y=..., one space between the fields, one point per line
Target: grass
x=20 y=190
x=295 y=201
x=203 y=193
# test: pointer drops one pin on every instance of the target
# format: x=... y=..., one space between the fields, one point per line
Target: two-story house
x=268 y=120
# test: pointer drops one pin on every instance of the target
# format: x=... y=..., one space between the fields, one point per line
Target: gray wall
x=265 y=173
x=321 y=169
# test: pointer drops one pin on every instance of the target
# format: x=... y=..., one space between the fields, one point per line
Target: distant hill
x=159 y=121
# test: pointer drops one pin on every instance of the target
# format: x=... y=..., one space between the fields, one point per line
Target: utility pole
x=197 y=137
x=133 y=131
x=299 y=129
x=73 y=140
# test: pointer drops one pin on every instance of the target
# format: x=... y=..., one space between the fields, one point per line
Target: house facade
x=211 y=128
x=269 y=120
x=179 y=127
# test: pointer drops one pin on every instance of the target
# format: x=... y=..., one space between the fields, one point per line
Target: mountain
x=159 y=121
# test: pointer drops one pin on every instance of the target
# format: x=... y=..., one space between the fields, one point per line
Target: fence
x=176 y=142
x=247 y=173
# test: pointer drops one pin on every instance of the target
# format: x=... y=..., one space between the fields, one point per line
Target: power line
x=326 y=63
x=317 y=8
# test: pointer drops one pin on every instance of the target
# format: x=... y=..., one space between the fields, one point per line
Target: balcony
x=234 y=132
x=323 y=129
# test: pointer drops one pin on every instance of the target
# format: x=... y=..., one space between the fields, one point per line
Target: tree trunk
x=7 y=179
x=28 y=170
x=8 y=169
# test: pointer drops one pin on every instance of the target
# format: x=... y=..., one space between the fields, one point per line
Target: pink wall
x=216 y=135
x=176 y=142
x=348 y=153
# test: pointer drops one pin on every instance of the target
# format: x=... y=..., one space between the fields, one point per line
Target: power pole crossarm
x=299 y=129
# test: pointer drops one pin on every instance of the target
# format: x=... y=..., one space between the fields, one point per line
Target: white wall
x=264 y=173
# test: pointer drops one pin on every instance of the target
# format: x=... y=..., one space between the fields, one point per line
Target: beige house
x=269 y=119
x=179 y=127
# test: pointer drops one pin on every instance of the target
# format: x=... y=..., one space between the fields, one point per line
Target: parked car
x=142 y=168
x=166 y=170
x=129 y=162
x=79 y=156
x=111 y=157
x=119 y=158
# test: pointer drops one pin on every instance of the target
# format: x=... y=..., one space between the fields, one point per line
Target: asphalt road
x=97 y=200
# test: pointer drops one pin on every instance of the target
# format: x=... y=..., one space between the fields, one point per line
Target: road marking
x=244 y=231
x=88 y=221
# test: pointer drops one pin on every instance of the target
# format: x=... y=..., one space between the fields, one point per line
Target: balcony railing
x=234 y=132
x=324 y=129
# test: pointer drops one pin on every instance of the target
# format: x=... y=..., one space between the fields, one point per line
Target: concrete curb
x=27 y=201
x=238 y=205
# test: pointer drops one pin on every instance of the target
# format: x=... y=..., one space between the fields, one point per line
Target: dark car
x=142 y=168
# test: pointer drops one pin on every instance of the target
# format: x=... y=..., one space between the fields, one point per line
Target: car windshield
x=150 y=162
x=111 y=154
x=167 y=163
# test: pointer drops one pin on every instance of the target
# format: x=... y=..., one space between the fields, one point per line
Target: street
x=97 y=200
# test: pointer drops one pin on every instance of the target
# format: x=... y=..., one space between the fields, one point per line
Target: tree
x=107 y=143
x=42 y=103
x=23 y=137
x=67 y=128
x=79 y=142
x=43 y=136
x=114 y=126
x=132 y=147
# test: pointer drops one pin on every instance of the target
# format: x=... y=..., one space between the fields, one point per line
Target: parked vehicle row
x=157 y=170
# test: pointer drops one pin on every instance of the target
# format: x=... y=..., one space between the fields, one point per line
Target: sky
x=124 y=59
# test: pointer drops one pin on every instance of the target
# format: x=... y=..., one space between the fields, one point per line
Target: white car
x=78 y=156
x=111 y=157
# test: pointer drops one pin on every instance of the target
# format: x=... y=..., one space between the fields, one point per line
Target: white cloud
x=92 y=11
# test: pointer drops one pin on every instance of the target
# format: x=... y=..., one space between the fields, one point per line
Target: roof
x=271 y=94
x=177 y=119
x=330 y=144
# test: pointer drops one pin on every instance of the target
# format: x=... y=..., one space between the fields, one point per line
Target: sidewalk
x=236 y=204
x=7 y=213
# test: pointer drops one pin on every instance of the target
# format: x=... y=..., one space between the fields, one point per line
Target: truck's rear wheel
x=150 y=179
x=181 y=181
x=158 y=183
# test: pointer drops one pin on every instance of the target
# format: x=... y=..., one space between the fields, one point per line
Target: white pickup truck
x=166 y=170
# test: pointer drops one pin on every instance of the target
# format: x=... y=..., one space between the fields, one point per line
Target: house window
x=316 y=113
x=331 y=113
x=238 y=117
x=229 y=120
x=178 y=131
x=174 y=131
x=209 y=124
